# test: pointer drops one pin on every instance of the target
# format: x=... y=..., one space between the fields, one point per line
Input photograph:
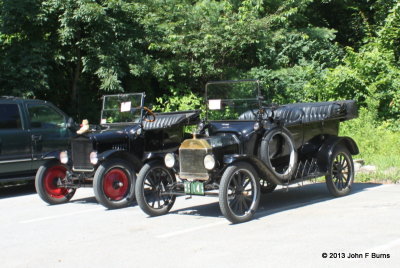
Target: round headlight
x=209 y=162
x=64 y=157
x=256 y=126
x=93 y=158
x=169 y=160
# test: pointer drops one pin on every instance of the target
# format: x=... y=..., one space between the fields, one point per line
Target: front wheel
x=114 y=184
x=47 y=183
x=341 y=172
x=152 y=186
x=239 y=192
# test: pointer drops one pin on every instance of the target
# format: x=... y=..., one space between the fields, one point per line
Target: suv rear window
x=10 y=117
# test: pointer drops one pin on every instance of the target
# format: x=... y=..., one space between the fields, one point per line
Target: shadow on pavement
x=9 y=190
x=279 y=200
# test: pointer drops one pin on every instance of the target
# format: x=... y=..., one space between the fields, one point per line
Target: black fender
x=137 y=164
x=51 y=155
x=325 y=152
x=154 y=156
x=262 y=169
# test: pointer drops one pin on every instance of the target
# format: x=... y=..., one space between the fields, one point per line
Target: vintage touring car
x=244 y=148
x=109 y=156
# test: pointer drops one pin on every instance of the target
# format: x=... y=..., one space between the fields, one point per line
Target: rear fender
x=325 y=152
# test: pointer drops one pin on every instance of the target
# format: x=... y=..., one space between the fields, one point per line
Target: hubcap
x=54 y=175
x=116 y=184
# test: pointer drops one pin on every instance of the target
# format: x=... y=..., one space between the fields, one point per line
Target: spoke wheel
x=239 y=192
x=152 y=186
x=341 y=172
x=47 y=181
x=114 y=183
x=266 y=187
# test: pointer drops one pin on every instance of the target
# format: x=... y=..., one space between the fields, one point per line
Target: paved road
x=291 y=229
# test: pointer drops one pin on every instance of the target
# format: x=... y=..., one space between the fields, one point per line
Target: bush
x=379 y=146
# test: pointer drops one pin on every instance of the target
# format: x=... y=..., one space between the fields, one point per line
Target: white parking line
x=382 y=248
x=62 y=215
x=192 y=229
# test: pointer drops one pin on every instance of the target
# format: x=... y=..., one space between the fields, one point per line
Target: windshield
x=122 y=108
x=230 y=100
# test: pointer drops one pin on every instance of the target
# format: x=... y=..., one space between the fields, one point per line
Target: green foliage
x=179 y=101
x=378 y=145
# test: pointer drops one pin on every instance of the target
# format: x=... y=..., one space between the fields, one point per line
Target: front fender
x=154 y=156
x=134 y=160
x=262 y=170
x=51 y=155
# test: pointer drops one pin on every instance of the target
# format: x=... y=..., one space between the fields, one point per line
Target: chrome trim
x=83 y=170
x=14 y=161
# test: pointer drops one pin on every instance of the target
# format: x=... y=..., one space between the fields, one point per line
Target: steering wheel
x=149 y=113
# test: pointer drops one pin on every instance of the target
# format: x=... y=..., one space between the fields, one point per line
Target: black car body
x=29 y=131
x=245 y=147
x=108 y=156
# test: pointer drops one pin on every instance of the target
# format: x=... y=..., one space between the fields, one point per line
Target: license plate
x=194 y=188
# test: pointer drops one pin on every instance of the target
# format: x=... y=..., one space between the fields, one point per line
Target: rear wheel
x=341 y=172
x=239 y=192
x=48 y=179
x=152 y=186
x=114 y=184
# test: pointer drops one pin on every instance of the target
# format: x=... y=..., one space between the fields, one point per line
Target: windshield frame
x=258 y=96
x=142 y=97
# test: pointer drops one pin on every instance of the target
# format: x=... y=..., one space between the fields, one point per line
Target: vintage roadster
x=244 y=148
x=108 y=156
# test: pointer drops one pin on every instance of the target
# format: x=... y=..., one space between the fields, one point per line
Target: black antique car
x=108 y=156
x=244 y=148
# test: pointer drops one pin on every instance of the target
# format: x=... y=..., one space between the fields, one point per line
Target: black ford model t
x=244 y=148
x=109 y=156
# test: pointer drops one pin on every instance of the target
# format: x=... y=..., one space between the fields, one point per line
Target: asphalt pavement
x=302 y=227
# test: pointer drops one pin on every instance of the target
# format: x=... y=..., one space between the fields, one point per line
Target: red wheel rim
x=53 y=174
x=116 y=184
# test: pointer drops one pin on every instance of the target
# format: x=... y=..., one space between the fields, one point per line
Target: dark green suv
x=29 y=130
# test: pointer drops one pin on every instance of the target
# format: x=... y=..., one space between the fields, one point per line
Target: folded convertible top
x=167 y=120
x=298 y=113
x=302 y=113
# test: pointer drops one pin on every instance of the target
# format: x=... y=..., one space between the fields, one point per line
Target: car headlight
x=209 y=162
x=64 y=157
x=93 y=158
x=169 y=160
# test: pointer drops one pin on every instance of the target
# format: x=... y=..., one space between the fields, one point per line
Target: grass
x=378 y=146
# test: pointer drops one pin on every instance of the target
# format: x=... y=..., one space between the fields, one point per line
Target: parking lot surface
x=302 y=227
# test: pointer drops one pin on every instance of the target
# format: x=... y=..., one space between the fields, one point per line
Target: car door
x=15 y=146
x=49 y=131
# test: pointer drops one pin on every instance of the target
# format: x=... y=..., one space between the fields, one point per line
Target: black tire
x=266 y=156
x=238 y=179
x=114 y=183
x=153 y=180
x=266 y=187
x=46 y=180
x=340 y=173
